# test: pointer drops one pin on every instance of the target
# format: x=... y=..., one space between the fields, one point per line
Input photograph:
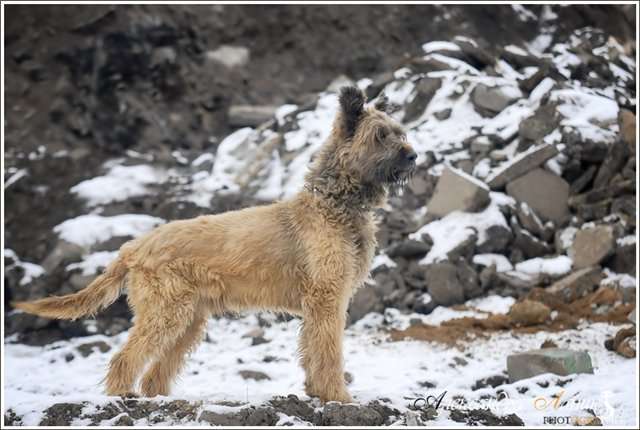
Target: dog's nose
x=411 y=155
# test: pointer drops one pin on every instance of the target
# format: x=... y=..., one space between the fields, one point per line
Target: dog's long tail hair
x=101 y=293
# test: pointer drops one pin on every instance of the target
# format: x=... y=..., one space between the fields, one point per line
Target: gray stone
x=624 y=259
x=530 y=221
x=521 y=164
x=541 y=123
x=592 y=245
x=250 y=116
x=365 y=300
x=612 y=164
x=86 y=349
x=337 y=414
x=409 y=249
x=253 y=374
x=379 y=81
x=558 y=361
x=443 y=284
x=497 y=240
x=457 y=191
x=425 y=90
x=63 y=252
x=250 y=416
x=546 y=193
x=530 y=246
x=492 y=99
x=578 y=284
x=229 y=56
x=583 y=180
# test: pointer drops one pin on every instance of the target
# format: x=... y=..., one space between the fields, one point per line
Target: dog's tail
x=101 y=293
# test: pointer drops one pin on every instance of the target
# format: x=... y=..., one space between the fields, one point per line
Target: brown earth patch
x=568 y=316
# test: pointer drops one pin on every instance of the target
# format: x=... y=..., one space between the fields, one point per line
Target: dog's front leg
x=321 y=348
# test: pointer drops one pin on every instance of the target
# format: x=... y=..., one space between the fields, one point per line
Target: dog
x=305 y=256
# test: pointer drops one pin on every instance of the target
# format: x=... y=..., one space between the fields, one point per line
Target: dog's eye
x=382 y=134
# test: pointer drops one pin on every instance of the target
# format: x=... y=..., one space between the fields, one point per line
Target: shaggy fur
x=305 y=256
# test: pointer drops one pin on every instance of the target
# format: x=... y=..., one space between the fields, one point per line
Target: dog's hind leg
x=164 y=310
x=157 y=380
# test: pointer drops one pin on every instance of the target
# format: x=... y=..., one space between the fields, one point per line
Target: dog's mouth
x=401 y=175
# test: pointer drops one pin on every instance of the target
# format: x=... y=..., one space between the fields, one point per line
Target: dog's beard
x=396 y=178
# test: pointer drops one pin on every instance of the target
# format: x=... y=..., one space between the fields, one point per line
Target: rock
x=293 y=406
x=479 y=57
x=592 y=245
x=530 y=246
x=497 y=240
x=253 y=374
x=530 y=221
x=521 y=164
x=86 y=349
x=61 y=414
x=250 y=416
x=62 y=253
x=491 y=99
x=632 y=317
x=365 y=300
x=443 y=114
x=464 y=249
x=528 y=84
x=546 y=193
x=541 y=123
x=424 y=92
x=250 y=116
x=443 y=284
x=559 y=361
x=450 y=284
x=490 y=381
x=336 y=414
x=627 y=124
x=529 y=312
x=548 y=344
x=378 y=82
x=229 y=56
x=409 y=248
x=612 y=164
x=424 y=304
x=583 y=180
x=578 y=284
x=624 y=342
x=484 y=417
x=457 y=191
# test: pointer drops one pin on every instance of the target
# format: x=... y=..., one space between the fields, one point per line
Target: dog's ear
x=382 y=103
x=352 y=103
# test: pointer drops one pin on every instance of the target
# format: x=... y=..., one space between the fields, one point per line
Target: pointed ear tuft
x=382 y=103
x=352 y=103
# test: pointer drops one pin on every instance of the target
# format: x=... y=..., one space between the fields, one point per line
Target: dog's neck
x=346 y=195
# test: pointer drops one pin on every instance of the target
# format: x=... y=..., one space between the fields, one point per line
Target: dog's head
x=375 y=147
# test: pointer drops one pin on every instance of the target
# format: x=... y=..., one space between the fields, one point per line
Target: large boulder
x=492 y=100
x=592 y=245
x=548 y=360
x=546 y=193
x=457 y=191
x=449 y=284
x=578 y=284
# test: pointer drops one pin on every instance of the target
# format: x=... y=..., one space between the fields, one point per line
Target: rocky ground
x=516 y=236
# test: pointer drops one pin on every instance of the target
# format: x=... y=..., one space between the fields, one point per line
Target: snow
x=119 y=184
x=382 y=260
x=501 y=262
x=439 y=46
x=37 y=377
x=493 y=304
x=554 y=266
x=94 y=263
x=456 y=227
x=88 y=230
x=31 y=270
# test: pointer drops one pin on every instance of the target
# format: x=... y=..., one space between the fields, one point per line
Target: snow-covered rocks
x=521 y=164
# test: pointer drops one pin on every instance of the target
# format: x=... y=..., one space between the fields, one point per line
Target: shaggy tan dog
x=305 y=256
